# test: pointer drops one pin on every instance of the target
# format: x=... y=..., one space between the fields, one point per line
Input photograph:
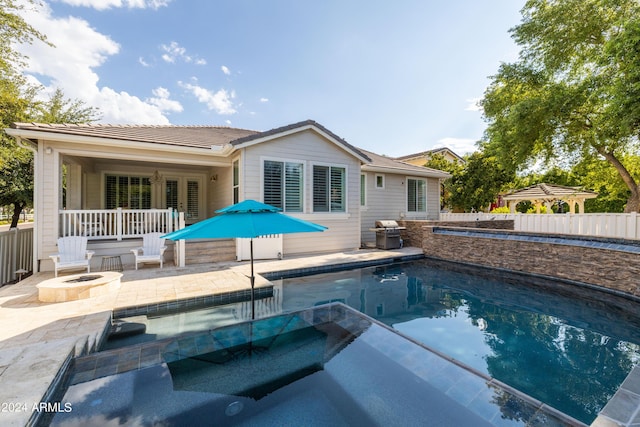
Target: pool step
x=206 y=251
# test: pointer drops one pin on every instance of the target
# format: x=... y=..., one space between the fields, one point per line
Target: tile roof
x=389 y=164
x=549 y=191
x=429 y=153
x=207 y=136
x=303 y=124
x=184 y=136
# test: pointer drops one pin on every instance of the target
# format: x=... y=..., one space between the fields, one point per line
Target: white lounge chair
x=152 y=249
x=72 y=254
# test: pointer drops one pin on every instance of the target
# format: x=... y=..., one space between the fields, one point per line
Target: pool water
x=324 y=366
x=566 y=346
x=569 y=347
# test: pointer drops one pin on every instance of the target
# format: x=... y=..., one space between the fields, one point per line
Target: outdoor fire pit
x=79 y=286
x=84 y=278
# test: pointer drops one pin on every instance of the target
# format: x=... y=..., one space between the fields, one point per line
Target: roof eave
x=252 y=140
x=404 y=171
x=31 y=135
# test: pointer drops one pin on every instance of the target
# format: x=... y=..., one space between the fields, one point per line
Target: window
x=416 y=195
x=283 y=185
x=172 y=194
x=236 y=181
x=123 y=191
x=192 y=199
x=363 y=189
x=379 y=181
x=329 y=189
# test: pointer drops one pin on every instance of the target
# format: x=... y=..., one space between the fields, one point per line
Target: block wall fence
x=602 y=262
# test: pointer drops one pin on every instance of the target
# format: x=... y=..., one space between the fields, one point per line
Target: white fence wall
x=478 y=216
x=16 y=253
x=623 y=226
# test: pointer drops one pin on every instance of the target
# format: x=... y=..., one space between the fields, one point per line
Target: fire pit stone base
x=79 y=286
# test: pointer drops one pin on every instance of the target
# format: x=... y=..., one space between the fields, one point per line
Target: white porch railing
x=116 y=224
x=623 y=225
x=16 y=253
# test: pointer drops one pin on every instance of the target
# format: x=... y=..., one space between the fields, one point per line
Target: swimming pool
x=569 y=347
x=325 y=366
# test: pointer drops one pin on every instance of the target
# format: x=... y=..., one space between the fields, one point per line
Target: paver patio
x=37 y=339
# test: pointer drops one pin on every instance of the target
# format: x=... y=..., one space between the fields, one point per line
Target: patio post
x=253 y=280
x=119 y=223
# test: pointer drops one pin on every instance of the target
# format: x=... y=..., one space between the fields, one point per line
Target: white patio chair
x=152 y=249
x=72 y=254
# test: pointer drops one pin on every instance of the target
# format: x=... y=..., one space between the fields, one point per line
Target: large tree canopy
x=18 y=102
x=574 y=93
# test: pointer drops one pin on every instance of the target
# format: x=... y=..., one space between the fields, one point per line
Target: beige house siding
x=433 y=199
x=309 y=148
x=87 y=165
x=49 y=195
x=390 y=202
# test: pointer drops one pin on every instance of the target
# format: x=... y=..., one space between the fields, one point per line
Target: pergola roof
x=546 y=194
x=549 y=192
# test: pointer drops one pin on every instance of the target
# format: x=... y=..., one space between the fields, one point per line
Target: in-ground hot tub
x=78 y=286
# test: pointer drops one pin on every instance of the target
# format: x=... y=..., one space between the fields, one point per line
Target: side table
x=111 y=263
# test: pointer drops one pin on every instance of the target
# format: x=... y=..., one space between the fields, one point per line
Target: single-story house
x=113 y=183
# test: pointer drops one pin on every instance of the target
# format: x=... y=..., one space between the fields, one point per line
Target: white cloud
x=225 y=70
x=264 y=99
x=162 y=101
x=70 y=65
x=220 y=101
x=142 y=62
x=473 y=104
x=460 y=146
x=108 y=4
x=173 y=51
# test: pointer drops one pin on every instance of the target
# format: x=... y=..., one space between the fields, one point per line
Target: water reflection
x=566 y=346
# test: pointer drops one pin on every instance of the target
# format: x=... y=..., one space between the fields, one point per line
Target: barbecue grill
x=388 y=234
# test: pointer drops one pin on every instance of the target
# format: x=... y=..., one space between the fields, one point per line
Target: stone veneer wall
x=609 y=263
x=413 y=234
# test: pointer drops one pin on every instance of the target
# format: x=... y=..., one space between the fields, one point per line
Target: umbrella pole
x=253 y=280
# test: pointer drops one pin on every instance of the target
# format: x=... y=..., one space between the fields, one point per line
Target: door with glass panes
x=184 y=194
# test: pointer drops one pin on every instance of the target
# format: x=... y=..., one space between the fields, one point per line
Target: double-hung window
x=283 y=185
x=329 y=189
x=416 y=195
x=123 y=191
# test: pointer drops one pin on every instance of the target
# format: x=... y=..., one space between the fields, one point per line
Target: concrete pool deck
x=38 y=338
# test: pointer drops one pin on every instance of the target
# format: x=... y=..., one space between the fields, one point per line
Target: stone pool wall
x=610 y=263
x=413 y=234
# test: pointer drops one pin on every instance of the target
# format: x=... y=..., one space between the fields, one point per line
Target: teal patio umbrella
x=247 y=219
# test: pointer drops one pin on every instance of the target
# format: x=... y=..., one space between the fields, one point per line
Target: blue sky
x=392 y=77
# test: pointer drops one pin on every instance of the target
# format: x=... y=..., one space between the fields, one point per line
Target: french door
x=184 y=194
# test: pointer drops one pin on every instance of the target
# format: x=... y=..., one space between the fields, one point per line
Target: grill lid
x=386 y=223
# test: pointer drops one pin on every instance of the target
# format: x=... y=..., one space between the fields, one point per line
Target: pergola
x=547 y=194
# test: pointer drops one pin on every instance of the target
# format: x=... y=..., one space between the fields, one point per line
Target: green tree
x=18 y=102
x=59 y=109
x=479 y=182
x=438 y=161
x=16 y=163
x=603 y=178
x=14 y=30
x=572 y=96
